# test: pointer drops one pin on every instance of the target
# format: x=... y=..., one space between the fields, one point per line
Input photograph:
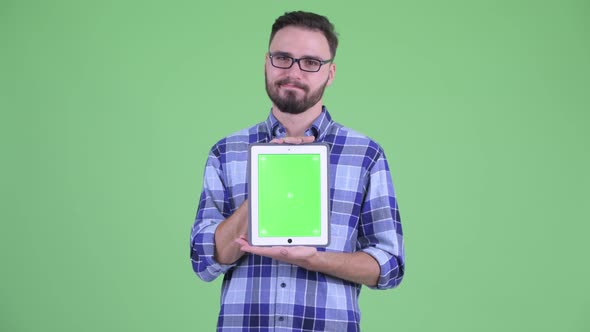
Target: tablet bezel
x=255 y=150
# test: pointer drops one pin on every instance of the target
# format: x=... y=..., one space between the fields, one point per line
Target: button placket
x=284 y=305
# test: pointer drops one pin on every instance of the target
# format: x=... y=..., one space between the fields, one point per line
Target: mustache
x=292 y=82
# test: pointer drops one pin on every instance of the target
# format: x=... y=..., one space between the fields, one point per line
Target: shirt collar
x=318 y=127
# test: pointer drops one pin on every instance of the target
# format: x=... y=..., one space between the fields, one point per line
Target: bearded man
x=299 y=288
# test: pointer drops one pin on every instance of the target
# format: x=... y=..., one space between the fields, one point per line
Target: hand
x=299 y=255
x=294 y=140
x=358 y=267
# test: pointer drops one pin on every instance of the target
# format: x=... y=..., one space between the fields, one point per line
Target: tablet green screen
x=289 y=195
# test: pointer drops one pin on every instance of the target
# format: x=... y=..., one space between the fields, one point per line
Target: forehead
x=300 y=42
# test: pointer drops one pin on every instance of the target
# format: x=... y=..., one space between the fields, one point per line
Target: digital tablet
x=289 y=194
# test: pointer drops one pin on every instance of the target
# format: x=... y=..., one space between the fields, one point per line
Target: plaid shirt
x=262 y=294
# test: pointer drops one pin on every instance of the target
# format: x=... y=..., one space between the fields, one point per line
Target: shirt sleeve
x=380 y=232
x=213 y=209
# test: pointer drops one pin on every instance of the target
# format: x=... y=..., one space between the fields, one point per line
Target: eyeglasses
x=306 y=64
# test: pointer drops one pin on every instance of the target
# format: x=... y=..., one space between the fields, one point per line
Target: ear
x=331 y=73
x=265 y=61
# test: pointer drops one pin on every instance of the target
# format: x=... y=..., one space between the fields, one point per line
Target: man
x=299 y=288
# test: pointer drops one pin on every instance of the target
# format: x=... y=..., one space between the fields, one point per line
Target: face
x=292 y=90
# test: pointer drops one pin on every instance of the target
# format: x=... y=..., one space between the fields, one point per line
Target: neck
x=297 y=124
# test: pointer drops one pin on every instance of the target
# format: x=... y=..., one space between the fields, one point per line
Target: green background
x=296 y=177
x=108 y=110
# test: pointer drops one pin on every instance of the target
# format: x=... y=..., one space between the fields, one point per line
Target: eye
x=282 y=58
x=311 y=62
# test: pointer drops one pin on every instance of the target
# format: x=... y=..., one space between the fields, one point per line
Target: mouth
x=291 y=85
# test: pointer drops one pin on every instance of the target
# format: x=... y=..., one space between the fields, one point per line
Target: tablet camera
x=289 y=240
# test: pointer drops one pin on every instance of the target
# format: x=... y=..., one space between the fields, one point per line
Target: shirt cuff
x=202 y=254
x=383 y=259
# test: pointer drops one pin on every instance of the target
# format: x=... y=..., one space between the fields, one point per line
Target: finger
x=277 y=140
x=299 y=139
x=242 y=242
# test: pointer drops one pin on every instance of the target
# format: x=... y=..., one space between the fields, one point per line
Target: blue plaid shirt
x=262 y=294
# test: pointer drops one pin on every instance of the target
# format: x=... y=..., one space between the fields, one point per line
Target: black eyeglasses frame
x=296 y=60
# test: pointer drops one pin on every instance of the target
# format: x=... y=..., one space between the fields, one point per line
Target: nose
x=295 y=70
x=297 y=62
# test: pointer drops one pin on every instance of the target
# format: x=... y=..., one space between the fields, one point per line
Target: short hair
x=309 y=21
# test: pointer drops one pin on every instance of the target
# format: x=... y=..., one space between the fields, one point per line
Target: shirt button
x=283 y=285
x=281 y=319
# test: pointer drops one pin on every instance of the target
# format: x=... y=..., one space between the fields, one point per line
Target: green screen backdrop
x=109 y=108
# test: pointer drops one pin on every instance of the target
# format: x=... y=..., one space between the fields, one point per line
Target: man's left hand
x=297 y=255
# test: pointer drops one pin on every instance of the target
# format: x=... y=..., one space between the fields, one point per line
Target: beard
x=289 y=103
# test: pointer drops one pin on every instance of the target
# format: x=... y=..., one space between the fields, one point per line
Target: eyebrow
x=303 y=57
